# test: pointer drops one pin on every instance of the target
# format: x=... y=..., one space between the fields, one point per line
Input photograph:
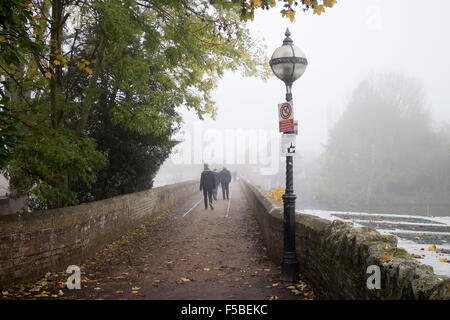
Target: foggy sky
x=346 y=44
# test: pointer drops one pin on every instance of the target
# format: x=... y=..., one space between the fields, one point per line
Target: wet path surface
x=187 y=253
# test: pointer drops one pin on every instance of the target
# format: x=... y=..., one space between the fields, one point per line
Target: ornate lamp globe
x=288 y=62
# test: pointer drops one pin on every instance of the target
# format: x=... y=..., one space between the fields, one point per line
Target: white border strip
x=193 y=207
x=228 y=208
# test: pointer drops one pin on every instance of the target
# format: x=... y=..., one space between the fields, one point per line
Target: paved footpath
x=187 y=253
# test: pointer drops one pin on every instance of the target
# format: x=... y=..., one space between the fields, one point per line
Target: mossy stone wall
x=334 y=256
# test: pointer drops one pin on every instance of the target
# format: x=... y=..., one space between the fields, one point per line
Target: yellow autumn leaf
x=206 y=269
x=277 y=194
x=119 y=291
x=432 y=248
x=2 y=39
x=443 y=260
x=56 y=62
x=65 y=66
x=257 y=3
x=329 y=3
x=291 y=15
x=319 y=9
x=48 y=75
x=88 y=70
x=60 y=57
x=387 y=257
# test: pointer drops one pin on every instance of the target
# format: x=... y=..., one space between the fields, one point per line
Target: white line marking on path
x=193 y=207
x=228 y=208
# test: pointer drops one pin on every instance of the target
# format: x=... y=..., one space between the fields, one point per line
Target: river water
x=416 y=234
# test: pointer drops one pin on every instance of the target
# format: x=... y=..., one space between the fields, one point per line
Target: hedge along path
x=205 y=254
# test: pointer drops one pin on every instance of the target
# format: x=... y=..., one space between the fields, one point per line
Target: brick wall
x=33 y=244
x=334 y=256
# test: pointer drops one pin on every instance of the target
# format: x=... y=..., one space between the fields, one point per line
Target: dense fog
x=373 y=108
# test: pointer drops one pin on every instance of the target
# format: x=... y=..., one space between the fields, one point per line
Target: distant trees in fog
x=383 y=150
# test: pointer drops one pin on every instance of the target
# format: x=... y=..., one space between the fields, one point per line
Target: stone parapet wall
x=33 y=244
x=334 y=256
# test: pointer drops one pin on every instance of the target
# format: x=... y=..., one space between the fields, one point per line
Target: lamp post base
x=289 y=264
x=290 y=268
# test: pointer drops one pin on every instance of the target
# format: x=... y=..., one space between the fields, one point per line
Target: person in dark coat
x=225 y=179
x=207 y=184
x=216 y=188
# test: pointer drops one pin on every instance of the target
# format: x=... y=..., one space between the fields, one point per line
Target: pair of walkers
x=209 y=184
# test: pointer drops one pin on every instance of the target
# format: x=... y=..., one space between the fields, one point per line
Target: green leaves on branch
x=9 y=132
x=49 y=159
x=16 y=26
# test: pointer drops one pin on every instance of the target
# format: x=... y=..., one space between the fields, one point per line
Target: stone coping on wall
x=38 y=220
x=335 y=256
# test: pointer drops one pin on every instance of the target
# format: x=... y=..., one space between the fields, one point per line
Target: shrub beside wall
x=334 y=256
x=51 y=240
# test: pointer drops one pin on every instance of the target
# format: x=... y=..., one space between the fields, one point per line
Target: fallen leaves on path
x=131 y=263
x=183 y=280
x=135 y=290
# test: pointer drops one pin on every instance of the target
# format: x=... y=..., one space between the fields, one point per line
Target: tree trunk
x=87 y=103
x=55 y=49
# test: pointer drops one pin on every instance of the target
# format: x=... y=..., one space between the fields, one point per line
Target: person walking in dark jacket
x=216 y=188
x=225 y=179
x=207 y=184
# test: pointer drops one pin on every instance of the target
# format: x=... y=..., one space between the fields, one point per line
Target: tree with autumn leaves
x=75 y=73
x=248 y=7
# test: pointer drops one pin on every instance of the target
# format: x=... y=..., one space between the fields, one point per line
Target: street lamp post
x=288 y=63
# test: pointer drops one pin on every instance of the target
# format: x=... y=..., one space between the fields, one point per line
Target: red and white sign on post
x=286 y=116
